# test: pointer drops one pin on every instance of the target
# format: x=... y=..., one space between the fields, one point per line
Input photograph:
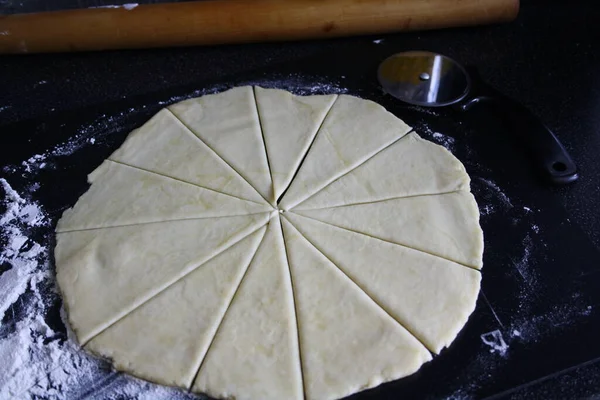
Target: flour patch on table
x=442 y=139
x=495 y=341
x=38 y=360
x=425 y=110
x=447 y=141
x=486 y=209
x=523 y=264
x=526 y=325
x=493 y=187
x=298 y=84
x=88 y=134
x=533 y=328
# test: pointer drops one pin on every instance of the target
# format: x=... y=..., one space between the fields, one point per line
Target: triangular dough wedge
x=410 y=167
x=347 y=342
x=123 y=195
x=445 y=225
x=228 y=123
x=431 y=296
x=353 y=131
x=165 y=146
x=113 y=270
x=165 y=339
x=255 y=352
x=289 y=124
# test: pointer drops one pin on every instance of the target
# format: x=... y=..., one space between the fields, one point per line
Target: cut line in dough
x=106 y=263
x=289 y=125
x=251 y=357
x=228 y=123
x=343 y=143
x=348 y=343
x=167 y=147
x=409 y=167
x=445 y=225
x=124 y=195
x=175 y=340
x=273 y=199
x=429 y=296
x=287 y=258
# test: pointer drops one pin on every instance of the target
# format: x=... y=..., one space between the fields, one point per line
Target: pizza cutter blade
x=433 y=80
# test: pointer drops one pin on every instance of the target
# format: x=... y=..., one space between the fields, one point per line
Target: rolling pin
x=213 y=22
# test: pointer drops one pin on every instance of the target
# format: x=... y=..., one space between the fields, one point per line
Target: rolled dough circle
x=254 y=244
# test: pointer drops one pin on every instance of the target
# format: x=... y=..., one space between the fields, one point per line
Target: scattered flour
x=426 y=110
x=495 y=341
x=86 y=134
x=492 y=200
x=18 y=251
x=523 y=264
x=106 y=124
x=447 y=141
x=300 y=84
x=532 y=328
x=486 y=209
x=295 y=83
x=501 y=195
x=36 y=360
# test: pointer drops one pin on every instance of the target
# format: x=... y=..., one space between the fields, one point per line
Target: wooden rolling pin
x=213 y=22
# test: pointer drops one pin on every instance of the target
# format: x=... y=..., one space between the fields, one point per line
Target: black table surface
x=548 y=59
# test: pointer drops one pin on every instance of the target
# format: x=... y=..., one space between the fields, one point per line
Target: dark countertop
x=548 y=59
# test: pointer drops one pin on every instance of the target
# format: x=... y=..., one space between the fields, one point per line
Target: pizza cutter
x=433 y=80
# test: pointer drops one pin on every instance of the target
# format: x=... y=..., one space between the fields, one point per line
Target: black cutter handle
x=550 y=156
